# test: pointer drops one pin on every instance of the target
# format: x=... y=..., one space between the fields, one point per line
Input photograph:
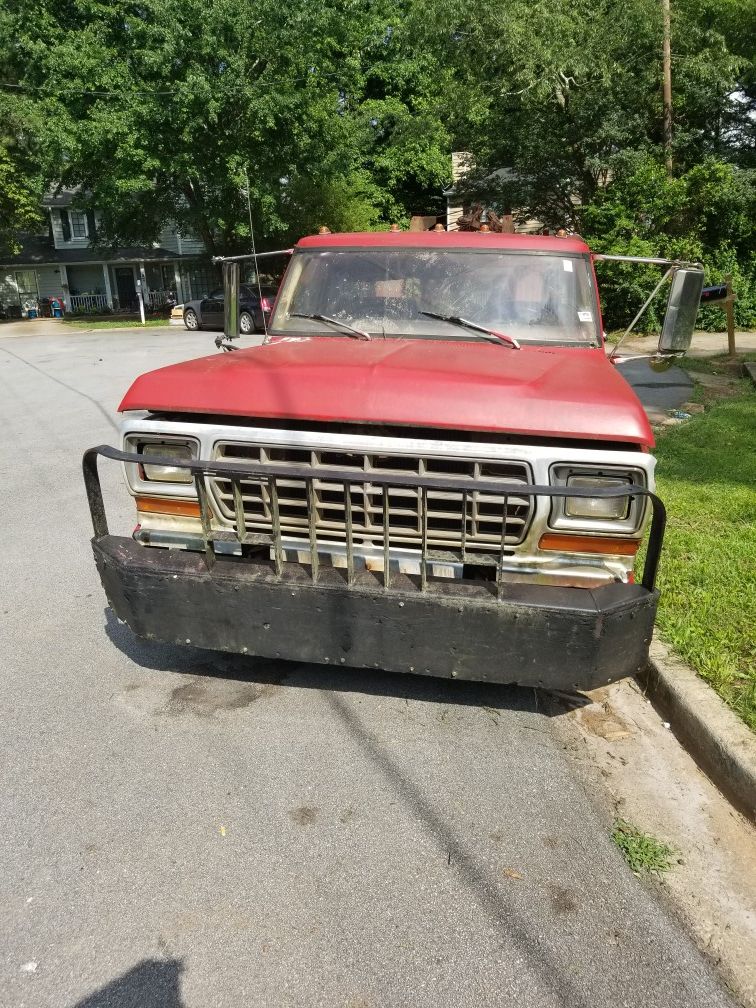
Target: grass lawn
x=84 y=323
x=707 y=478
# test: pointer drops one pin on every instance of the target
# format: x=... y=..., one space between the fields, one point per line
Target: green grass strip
x=707 y=478
x=83 y=323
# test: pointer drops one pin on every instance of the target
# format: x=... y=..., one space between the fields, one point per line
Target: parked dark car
x=207 y=312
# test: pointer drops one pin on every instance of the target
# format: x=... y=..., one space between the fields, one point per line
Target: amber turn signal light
x=163 y=505
x=588 y=544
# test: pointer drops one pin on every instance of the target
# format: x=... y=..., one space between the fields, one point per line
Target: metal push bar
x=270 y=474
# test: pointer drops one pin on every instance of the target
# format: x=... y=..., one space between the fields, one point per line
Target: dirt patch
x=715 y=381
x=206 y=697
x=562 y=900
x=602 y=721
x=200 y=696
x=306 y=815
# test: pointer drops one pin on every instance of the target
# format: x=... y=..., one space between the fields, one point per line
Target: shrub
x=704 y=216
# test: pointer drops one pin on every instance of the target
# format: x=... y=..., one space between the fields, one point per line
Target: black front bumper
x=532 y=635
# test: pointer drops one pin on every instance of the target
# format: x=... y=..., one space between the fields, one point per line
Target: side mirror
x=682 y=308
x=231 y=300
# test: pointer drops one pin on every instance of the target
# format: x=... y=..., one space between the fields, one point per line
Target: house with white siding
x=463 y=162
x=63 y=262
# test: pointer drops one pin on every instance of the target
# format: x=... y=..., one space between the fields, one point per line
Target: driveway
x=657 y=391
x=188 y=829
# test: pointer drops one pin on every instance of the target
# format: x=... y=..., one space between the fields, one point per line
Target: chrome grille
x=454 y=519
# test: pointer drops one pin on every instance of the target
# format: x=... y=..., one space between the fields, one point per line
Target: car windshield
x=533 y=297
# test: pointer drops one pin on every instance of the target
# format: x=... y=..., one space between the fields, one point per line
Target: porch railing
x=157 y=298
x=88 y=302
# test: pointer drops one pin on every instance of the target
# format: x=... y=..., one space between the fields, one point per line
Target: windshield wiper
x=356 y=333
x=493 y=335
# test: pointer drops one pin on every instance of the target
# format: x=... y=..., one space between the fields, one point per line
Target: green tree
x=706 y=214
x=560 y=92
x=161 y=109
x=20 y=176
x=20 y=193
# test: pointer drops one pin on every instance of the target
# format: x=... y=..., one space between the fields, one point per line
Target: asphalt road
x=186 y=829
x=658 y=391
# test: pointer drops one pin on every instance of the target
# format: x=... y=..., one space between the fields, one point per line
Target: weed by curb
x=643 y=852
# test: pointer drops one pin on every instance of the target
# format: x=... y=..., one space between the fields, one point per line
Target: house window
x=197 y=280
x=19 y=288
x=78 y=224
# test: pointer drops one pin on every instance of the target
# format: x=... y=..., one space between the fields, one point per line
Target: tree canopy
x=346 y=113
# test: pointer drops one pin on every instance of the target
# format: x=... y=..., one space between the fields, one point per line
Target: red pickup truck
x=430 y=465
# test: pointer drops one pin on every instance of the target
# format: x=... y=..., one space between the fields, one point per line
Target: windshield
x=532 y=297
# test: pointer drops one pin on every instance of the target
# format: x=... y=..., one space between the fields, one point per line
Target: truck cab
x=430 y=465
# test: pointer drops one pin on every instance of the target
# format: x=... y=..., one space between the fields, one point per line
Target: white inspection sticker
x=567 y=263
x=585 y=316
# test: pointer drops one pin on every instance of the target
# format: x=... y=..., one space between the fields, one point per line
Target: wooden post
x=729 y=307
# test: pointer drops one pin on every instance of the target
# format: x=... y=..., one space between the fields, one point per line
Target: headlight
x=166 y=449
x=608 y=508
x=597 y=514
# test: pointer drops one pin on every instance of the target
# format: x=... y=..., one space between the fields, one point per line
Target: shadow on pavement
x=662 y=391
x=153 y=983
x=373 y=682
x=556 y=974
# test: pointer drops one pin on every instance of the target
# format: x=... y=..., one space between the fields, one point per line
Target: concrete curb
x=716 y=738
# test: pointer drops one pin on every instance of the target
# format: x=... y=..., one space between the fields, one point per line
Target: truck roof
x=447 y=239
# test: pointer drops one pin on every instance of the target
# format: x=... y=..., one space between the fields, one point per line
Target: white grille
x=475 y=519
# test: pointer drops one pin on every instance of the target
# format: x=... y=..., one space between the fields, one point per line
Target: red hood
x=552 y=392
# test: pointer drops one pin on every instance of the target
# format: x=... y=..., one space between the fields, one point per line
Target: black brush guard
x=493 y=630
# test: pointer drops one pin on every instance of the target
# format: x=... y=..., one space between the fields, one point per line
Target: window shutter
x=65 y=223
x=91 y=225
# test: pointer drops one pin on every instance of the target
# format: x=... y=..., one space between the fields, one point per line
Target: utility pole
x=667 y=84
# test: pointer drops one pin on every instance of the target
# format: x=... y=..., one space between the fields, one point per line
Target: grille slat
x=453 y=519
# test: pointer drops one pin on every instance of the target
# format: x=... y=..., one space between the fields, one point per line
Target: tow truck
x=431 y=465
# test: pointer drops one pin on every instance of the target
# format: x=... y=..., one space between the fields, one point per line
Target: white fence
x=88 y=302
x=99 y=302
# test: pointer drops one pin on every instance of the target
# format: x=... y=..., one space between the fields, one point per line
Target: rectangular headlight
x=606 y=508
x=164 y=473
